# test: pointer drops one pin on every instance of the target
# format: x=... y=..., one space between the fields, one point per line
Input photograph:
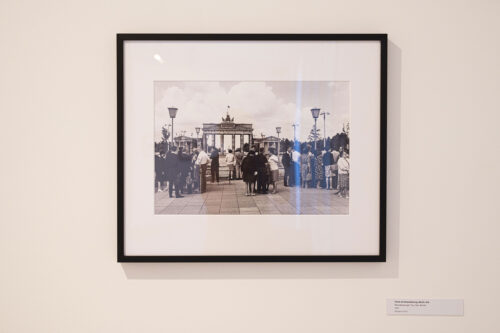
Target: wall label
x=425 y=307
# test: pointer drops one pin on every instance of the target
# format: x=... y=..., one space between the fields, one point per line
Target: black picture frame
x=122 y=38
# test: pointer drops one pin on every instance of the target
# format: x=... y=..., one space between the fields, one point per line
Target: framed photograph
x=251 y=147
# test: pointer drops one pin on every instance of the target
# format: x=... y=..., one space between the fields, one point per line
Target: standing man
x=230 y=162
x=335 y=168
x=173 y=173
x=164 y=171
x=238 y=155
x=196 y=169
x=159 y=172
x=202 y=161
x=261 y=169
x=252 y=149
x=184 y=163
x=296 y=167
x=286 y=160
x=214 y=166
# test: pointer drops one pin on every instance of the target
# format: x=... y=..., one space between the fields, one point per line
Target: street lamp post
x=170 y=134
x=295 y=145
x=324 y=114
x=172 y=112
x=294 y=132
x=278 y=131
x=315 y=114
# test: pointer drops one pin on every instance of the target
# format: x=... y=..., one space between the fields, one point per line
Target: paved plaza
x=230 y=199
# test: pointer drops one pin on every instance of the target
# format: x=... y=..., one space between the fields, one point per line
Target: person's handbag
x=308 y=175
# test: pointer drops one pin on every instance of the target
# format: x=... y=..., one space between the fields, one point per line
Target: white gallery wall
x=58 y=270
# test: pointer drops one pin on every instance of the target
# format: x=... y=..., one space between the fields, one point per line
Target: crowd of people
x=327 y=170
x=179 y=170
x=186 y=173
x=259 y=170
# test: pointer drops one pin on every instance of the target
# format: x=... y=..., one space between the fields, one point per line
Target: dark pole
x=324 y=130
x=315 y=134
x=173 y=143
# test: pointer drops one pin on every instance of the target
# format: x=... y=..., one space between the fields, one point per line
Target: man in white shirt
x=295 y=156
x=286 y=160
x=202 y=161
x=334 y=167
x=230 y=162
x=296 y=167
x=238 y=156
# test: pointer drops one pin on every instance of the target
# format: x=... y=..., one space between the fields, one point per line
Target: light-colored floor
x=225 y=198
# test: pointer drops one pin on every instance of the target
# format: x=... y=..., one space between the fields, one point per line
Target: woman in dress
x=343 y=169
x=320 y=176
x=273 y=162
x=305 y=167
x=249 y=169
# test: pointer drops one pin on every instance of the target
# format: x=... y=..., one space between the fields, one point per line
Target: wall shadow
x=389 y=269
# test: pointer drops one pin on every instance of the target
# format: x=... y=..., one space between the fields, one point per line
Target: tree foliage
x=311 y=136
x=165 y=134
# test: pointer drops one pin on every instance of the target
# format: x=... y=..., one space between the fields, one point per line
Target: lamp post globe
x=315 y=112
x=172 y=112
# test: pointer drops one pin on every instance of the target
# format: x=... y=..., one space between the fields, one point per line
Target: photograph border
x=120 y=41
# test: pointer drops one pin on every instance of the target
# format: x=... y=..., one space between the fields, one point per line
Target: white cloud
x=264 y=104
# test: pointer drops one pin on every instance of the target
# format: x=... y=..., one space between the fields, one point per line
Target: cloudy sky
x=264 y=104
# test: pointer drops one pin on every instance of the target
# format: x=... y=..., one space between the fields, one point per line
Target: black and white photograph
x=251 y=147
x=259 y=147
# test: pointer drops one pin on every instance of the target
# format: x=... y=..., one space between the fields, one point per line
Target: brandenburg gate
x=227 y=127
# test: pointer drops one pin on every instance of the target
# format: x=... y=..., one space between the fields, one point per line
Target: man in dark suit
x=214 y=165
x=159 y=172
x=262 y=172
x=173 y=173
x=184 y=164
x=286 y=160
